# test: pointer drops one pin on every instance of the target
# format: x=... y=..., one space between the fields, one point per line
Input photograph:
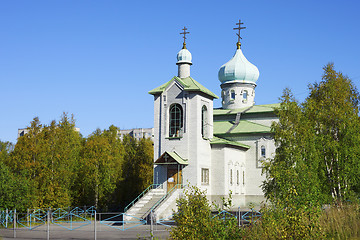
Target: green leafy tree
x=145 y=163
x=26 y=156
x=333 y=106
x=62 y=168
x=5 y=149
x=101 y=164
x=47 y=156
x=61 y=145
x=317 y=155
x=14 y=189
x=291 y=177
x=137 y=168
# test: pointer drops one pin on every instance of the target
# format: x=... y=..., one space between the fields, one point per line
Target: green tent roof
x=217 y=140
x=244 y=127
x=168 y=158
x=254 y=109
x=189 y=84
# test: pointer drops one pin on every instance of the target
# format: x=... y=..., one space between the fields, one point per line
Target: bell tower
x=183 y=126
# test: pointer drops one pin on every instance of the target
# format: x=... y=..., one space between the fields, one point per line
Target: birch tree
x=318 y=156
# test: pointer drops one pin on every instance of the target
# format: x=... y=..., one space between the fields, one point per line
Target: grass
x=334 y=222
x=341 y=222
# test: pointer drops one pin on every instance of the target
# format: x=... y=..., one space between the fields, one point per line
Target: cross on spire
x=238 y=34
x=184 y=33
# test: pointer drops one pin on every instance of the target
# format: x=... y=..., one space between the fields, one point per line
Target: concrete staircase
x=167 y=207
x=141 y=208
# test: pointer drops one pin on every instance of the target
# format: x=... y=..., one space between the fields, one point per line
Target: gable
x=188 y=84
x=174 y=91
x=170 y=158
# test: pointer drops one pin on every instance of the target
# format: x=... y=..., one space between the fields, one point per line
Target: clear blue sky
x=98 y=59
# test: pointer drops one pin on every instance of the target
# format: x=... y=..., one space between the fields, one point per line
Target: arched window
x=231 y=177
x=232 y=94
x=176 y=120
x=204 y=121
x=245 y=95
x=263 y=151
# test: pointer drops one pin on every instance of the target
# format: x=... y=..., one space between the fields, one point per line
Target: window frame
x=245 y=95
x=205 y=176
x=263 y=151
x=204 y=119
x=232 y=94
x=243 y=177
x=237 y=177
x=176 y=120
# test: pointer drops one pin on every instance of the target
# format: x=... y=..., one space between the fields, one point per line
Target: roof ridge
x=266 y=105
x=237 y=119
x=163 y=86
x=230 y=142
x=262 y=106
x=255 y=123
x=195 y=82
x=182 y=82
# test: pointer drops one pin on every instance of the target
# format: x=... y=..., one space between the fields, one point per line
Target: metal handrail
x=177 y=186
x=152 y=186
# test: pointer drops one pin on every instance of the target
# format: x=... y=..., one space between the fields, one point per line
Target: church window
x=245 y=95
x=204 y=176
x=176 y=120
x=243 y=177
x=231 y=176
x=237 y=177
x=203 y=121
x=263 y=151
x=232 y=94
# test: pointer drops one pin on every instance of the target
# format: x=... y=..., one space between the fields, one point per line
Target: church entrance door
x=173 y=178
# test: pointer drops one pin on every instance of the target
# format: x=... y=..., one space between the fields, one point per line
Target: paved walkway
x=86 y=232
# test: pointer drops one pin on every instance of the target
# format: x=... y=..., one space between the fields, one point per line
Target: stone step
x=144 y=204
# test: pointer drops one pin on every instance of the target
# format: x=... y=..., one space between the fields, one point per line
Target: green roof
x=189 y=84
x=217 y=140
x=244 y=127
x=254 y=109
x=174 y=159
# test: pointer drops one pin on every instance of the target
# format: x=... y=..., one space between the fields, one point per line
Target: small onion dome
x=238 y=69
x=184 y=56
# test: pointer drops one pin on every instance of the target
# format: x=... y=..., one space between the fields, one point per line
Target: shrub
x=195 y=221
x=286 y=223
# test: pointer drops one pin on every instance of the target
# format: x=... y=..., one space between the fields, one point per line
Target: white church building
x=219 y=150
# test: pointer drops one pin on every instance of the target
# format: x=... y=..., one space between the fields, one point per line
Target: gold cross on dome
x=239 y=28
x=184 y=33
